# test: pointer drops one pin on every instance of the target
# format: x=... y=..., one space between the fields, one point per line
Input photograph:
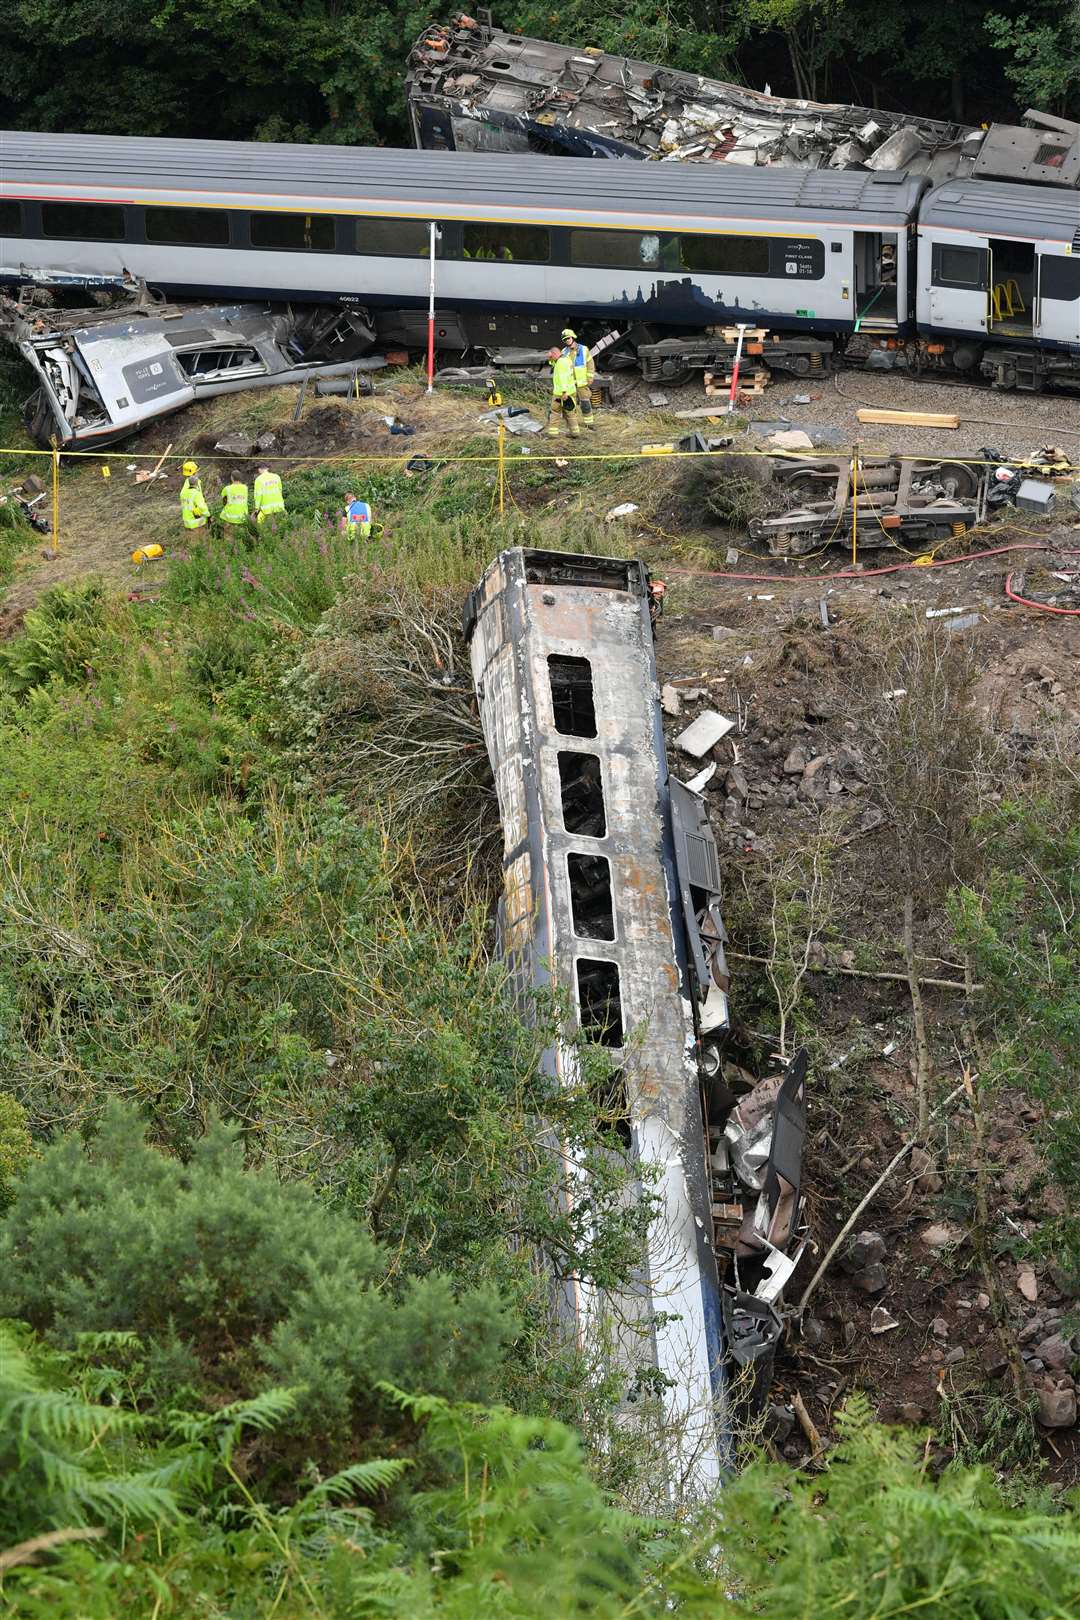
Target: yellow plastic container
x=147 y=553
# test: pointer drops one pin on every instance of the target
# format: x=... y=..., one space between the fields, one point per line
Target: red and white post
x=735 y=370
x=433 y=232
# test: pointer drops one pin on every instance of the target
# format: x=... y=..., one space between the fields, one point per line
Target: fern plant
x=62 y=1456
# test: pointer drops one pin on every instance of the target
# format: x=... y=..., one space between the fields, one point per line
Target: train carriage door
x=1011 y=307
x=1057 y=297
x=959 y=283
x=876 y=280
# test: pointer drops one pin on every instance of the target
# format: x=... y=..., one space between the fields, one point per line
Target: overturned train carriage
x=612 y=894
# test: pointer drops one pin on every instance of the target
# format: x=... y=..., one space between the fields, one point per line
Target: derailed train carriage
x=655 y=264
x=612 y=893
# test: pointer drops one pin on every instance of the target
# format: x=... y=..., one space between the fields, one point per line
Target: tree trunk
x=922 y=1047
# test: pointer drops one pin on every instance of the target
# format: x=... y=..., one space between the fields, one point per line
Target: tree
x=1043 y=50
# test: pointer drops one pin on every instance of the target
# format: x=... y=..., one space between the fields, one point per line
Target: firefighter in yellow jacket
x=234 y=504
x=268 y=498
x=563 y=394
x=194 y=512
x=584 y=371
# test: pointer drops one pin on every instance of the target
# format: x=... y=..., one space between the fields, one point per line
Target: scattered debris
x=1027 y=1283
x=967 y=621
x=1035 y=496
x=698 y=783
x=882 y=1322
x=703 y=733
x=624 y=509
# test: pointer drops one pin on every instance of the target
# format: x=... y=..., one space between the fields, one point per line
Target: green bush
x=61 y=639
x=234 y=1283
x=16 y=1145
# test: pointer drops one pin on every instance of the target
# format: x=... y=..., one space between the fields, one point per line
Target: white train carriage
x=999 y=278
x=816 y=251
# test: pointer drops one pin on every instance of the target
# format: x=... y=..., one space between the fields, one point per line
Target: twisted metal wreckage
x=473 y=88
x=612 y=894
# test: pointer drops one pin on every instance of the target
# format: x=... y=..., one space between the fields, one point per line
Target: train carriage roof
x=413 y=179
x=995 y=208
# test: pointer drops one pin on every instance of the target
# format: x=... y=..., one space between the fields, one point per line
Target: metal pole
x=502 y=467
x=431 y=310
x=55 y=497
x=735 y=370
x=854 y=504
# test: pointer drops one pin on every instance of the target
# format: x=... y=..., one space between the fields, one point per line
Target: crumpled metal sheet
x=492 y=91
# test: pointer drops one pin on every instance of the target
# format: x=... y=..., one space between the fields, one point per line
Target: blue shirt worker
x=269 y=501
x=580 y=356
x=355 y=521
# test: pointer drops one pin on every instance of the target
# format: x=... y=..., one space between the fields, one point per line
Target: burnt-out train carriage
x=562 y=657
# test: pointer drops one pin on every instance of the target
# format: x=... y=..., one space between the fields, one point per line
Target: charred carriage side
x=612 y=893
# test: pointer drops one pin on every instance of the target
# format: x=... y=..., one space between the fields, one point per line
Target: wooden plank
x=929 y=419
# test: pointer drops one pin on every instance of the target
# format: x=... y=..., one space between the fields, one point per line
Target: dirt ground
x=761 y=655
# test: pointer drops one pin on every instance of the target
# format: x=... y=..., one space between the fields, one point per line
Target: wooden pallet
x=730 y=334
x=750 y=382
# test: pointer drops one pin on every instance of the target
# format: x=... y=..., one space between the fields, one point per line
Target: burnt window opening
x=599 y=1001
x=590 y=895
x=572 y=695
x=613 y=1107
x=582 y=784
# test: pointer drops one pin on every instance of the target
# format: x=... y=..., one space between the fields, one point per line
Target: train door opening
x=876 y=281
x=1012 y=288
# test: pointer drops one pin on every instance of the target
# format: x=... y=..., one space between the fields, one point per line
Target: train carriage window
x=395 y=238
x=591 y=904
x=599 y=999
x=572 y=700
x=10 y=219
x=726 y=255
x=618 y=250
x=522 y=244
x=90 y=222
x=293 y=233
x=1059 y=277
x=188 y=227
x=582 y=784
x=963 y=267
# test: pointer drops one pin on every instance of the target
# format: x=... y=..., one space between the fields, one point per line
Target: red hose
x=1044 y=607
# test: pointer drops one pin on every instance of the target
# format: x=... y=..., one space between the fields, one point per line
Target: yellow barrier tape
x=835 y=453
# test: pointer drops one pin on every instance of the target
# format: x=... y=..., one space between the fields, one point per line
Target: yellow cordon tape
x=826 y=453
